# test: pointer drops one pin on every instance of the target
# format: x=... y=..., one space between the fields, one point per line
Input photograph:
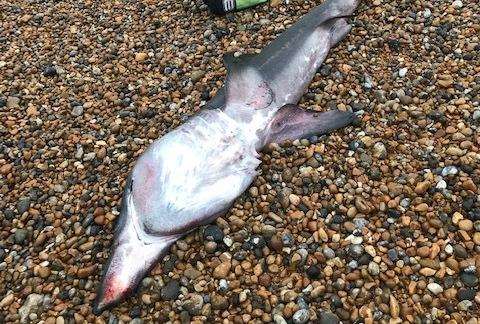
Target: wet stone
x=20 y=236
x=23 y=204
x=171 y=290
x=219 y=302
x=328 y=318
x=460 y=251
x=466 y=294
x=301 y=316
x=50 y=71
x=313 y=272
x=469 y=279
x=193 y=305
x=213 y=233
x=373 y=268
x=77 y=111
x=355 y=250
x=393 y=255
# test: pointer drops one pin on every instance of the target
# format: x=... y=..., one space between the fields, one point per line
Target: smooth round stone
x=435 y=288
x=373 y=268
x=301 y=316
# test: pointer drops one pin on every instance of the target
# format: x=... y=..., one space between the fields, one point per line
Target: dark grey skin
x=193 y=174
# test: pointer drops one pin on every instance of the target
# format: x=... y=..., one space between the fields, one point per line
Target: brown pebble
x=465 y=225
x=423 y=251
x=87 y=271
x=222 y=270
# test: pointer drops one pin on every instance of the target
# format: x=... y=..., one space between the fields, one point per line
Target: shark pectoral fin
x=291 y=122
x=246 y=86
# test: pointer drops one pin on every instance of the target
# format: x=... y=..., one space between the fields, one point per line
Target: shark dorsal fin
x=245 y=84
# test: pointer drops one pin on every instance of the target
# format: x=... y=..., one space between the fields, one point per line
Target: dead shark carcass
x=193 y=174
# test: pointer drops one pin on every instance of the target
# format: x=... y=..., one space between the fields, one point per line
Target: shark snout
x=114 y=289
x=135 y=253
x=121 y=277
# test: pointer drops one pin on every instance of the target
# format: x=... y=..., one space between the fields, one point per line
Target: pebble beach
x=378 y=222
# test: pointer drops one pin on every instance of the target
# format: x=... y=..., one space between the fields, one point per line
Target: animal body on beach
x=193 y=174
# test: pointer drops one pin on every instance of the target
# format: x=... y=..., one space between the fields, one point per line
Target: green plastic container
x=221 y=7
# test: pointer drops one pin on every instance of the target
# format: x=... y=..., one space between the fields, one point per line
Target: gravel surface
x=379 y=222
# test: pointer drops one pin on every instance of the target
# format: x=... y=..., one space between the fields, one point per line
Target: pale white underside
x=203 y=166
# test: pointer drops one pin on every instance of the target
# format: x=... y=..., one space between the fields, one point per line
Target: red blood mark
x=114 y=289
x=111 y=290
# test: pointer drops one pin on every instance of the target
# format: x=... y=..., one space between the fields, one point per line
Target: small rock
x=423 y=251
x=445 y=80
x=13 y=102
x=476 y=114
x=464 y=305
x=442 y=184
x=140 y=57
x=6 y=169
x=219 y=302
x=466 y=294
x=379 y=150
x=50 y=71
x=23 y=205
x=469 y=279
x=77 y=111
x=301 y=316
x=278 y=319
x=373 y=268
x=328 y=318
x=32 y=304
x=222 y=270
x=43 y=272
x=465 y=225
x=275 y=3
x=7 y=300
x=460 y=251
x=367 y=81
x=405 y=100
x=457 y=4
x=449 y=170
x=394 y=307
x=86 y=271
x=422 y=187
x=456 y=218
x=213 y=233
x=197 y=75
x=313 y=272
x=402 y=72
x=435 y=288
x=328 y=252
x=192 y=273
x=193 y=305
x=171 y=290
x=20 y=236
x=427 y=13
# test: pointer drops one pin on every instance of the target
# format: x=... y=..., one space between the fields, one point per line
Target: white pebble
x=449 y=249
x=427 y=13
x=435 y=288
x=228 y=241
x=441 y=184
x=457 y=4
x=402 y=72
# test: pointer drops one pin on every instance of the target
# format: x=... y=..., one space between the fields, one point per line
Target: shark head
x=170 y=191
x=135 y=252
